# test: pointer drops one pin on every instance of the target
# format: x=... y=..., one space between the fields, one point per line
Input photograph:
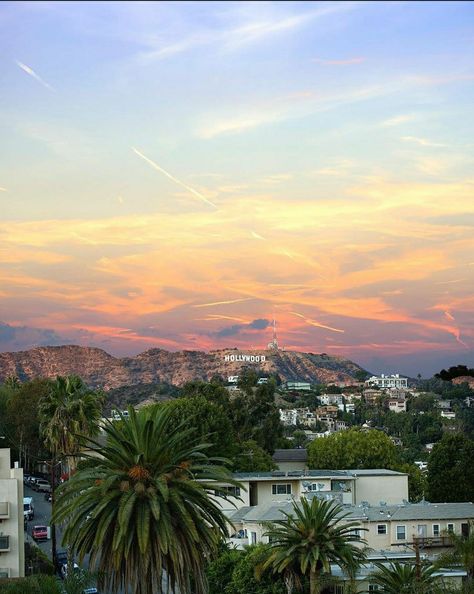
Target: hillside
x=98 y=368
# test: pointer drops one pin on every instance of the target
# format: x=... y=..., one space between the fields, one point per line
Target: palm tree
x=462 y=552
x=140 y=506
x=405 y=578
x=312 y=537
x=69 y=410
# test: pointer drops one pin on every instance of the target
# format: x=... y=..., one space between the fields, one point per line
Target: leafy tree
x=252 y=458
x=405 y=578
x=37 y=584
x=248 y=378
x=353 y=449
x=213 y=392
x=208 y=420
x=455 y=371
x=142 y=508
x=450 y=469
x=422 y=403
x=361 y=375
x=417 y=483
x=246 y=579
x=312 y=537
x=462 y=552
x=219 y=571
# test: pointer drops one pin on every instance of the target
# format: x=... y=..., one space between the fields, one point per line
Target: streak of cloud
x=229 y=302
x=172 y=178
x=448 y=315
x=33 y=74
x=314 y=323
x=216 y=318
x=3 y=190
x=397 y=120
x=346 y=62
x=256 y=235
x=422 y=141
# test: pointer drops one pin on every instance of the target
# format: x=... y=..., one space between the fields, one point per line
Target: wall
x=11 y=490
x=392 y=489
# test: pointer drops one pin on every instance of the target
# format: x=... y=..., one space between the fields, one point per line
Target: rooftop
x=291 y=455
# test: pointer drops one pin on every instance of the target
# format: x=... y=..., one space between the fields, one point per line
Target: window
x=401 y=533
x=373 y=588
x=253 y=537
x=281 y=489
x=227 y=492
x=435 y=529
x=422 y=530
x=356 y=532
x=381 y=528
x=450 y=528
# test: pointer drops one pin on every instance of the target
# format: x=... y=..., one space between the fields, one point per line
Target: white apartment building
x=387 y=381
x=397 y=405
x=289 y=417
x=12 y=548
x=327 y=399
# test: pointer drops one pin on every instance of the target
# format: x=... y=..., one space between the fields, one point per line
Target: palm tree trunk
x=314 y=583
x=53 y=526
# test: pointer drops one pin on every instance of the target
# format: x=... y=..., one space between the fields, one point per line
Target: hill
x=99 y=369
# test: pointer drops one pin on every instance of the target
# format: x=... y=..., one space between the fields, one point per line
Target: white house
x=387 y=381
x=12 y=546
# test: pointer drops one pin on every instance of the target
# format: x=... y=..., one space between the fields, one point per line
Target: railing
x=433 y=541
x=4 y=510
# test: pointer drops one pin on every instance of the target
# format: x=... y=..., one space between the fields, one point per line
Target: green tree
x=462 y=552
x=213 y=391
x=310 y=538
x=37 y=584
x=141 y=508
x=247 y=577
x=252 y=458
x=68 y=413
x=405 y=578
x=353 y=449
x=417 y=483
x=450 y=469
x=209 y=421
x=219 y=571
x=247 y=380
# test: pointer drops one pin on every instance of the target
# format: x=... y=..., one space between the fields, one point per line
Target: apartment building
x=387 y=381
x=12 y=550
x=349 y=487
x=397 y=405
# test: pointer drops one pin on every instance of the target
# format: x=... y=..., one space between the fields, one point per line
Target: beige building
x=349 y=487
x=12 y=549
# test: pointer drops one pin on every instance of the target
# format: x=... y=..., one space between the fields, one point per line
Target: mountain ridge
x=100 y=369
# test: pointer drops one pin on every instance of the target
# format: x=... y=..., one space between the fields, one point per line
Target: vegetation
x=36 y=584
x=462 y=553
x=309 y=539
x=450 y=469
x=405 y=578
x=141 y=509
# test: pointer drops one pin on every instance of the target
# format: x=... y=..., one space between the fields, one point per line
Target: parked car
x=42 y=486
x=28 y=508
x=48 y=497
x=40 y=533
x=63 y=572
x=61 y=559
x=90 y=591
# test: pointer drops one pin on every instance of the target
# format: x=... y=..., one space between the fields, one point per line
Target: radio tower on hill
x=273 y=345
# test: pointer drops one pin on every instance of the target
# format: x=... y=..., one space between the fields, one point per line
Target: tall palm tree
x=462 y=552
x=405 y=578
x=141 y=508
x=310 y=538
x=67 y=412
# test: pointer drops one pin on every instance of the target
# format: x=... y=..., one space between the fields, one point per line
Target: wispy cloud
x=256 y=235
x=3 y=190
x=171 y=177
x=341 y=62
x=315 y=323
x=397 y=120
x=33 y=74
x=229 y=302
x=422 y=141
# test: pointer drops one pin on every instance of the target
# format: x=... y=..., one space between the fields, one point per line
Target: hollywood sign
x=245 y=358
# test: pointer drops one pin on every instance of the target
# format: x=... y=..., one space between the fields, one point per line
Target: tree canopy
x=450 y=469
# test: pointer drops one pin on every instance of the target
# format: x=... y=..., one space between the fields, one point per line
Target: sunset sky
x=175 y=175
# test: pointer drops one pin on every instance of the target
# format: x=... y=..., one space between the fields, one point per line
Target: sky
x=177 y=174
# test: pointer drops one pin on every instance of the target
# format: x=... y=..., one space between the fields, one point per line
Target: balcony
x=4 y=510
x=433 y=541
x=4 y=544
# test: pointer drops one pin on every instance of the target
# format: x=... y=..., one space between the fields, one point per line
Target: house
x=350 y=487
x=12 y=546
x=326 y=399
x=448 y=414
x=397 y=405
x=387 y=381
x=371 y=395
x=326 y=414
x=291 y=459
x=297 y=386
x=288 y=417
x=392 y=532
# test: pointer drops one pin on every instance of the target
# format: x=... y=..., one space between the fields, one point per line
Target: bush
x=35 y=584
x=36 y=561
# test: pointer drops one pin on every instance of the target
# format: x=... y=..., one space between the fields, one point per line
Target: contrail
x=256 y=235
x=448 y=315
x=3 y=190
x=176 y=181
x=224 y=302
x=313 y=323
x=216 y=318
x=32 y=73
